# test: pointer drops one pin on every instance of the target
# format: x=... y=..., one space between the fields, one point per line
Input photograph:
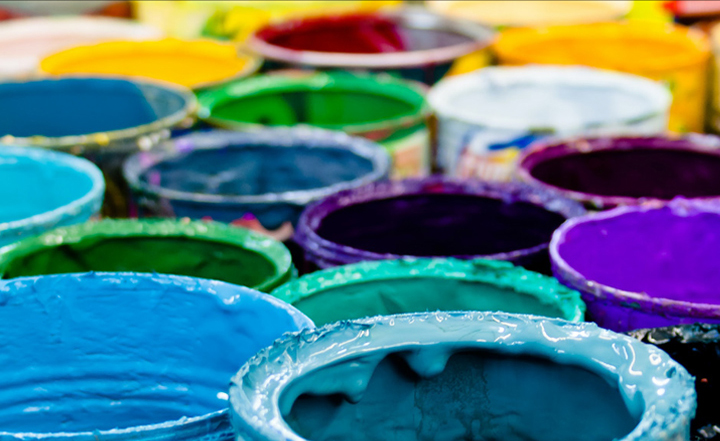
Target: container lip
x=493 y=272
x=546 y=150
x=418 y=18
x=313 y=215
x=696 y=333
x=93 y=198
x=255 y=411
x=598 y=291
x=98 y=140
x=139 y=163
x=206 y=231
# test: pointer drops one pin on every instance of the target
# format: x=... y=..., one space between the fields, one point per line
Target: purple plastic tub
x=608 y=172
x=434 y=217
x=644 y=267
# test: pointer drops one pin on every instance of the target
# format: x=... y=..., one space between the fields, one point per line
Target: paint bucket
x=487 y=117
x=604 y=173
x=714 y=98
x=697 y=348
x=381 y=108
x=270 y=174
x=434 y=217
x=207 y=250
x=643 y=267
x=367 y=289
x=101 y=119
x=413 y=43
x=128 y=356
x=190 y=63
x=472 y=375
x=675 y=55
x=42 y=190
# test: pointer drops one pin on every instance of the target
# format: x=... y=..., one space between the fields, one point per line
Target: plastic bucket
x=127 y=356
x=675 y=55
x=190 y=63
x=388 y=287
x=101 y=119
x=487 y=117
x=606 y=172
x=411 y=42
x=643 y=267
x=384 y=109
x=207 y=250
x=42 y=190
x=471 y=375
x=434 y=217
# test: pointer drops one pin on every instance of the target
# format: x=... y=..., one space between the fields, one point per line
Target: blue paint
x=84 y=354
x=41 y=189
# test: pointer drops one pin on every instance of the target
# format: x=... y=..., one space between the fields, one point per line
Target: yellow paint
x=650 y=10
x=194 y=64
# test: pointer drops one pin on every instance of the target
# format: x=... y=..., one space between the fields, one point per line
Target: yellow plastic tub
x=195 y=64
x=675 y=55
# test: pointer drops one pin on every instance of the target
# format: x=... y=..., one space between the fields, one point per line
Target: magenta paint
x=607 y=172
x=644 y=267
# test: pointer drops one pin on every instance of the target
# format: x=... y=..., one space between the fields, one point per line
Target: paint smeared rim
x=696 y=333
x=212 y=232
x=417 y=18
x=546 y=290
x=658 y=305
x=663 y=397
x=91 y=201
x=139 y=163
x=311 y=218
x=542 y=151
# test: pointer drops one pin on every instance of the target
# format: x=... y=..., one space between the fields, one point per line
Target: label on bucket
x=491 y=154
x=410 y=154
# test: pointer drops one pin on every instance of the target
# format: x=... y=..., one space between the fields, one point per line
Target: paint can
x=643 y=267
x=413 y=43
x=191 y=63
x=42 y=190
x=434 y=217
x=207 y=250
x=381 y=108
x=101 y=119
x=128 y=356
x=487 y=117
x=461 y=375
x=675 y=55
x=387 y=287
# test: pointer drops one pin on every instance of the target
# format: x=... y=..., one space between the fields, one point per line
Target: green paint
x=420 y=285
x=200 y=249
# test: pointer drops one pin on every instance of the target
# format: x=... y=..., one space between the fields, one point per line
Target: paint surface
x=108 y=350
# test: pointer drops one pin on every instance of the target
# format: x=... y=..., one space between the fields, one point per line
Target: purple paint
x=434 y=217
x=608 y=172
x=644 y=267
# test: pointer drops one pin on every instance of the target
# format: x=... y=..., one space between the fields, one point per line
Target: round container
x=675 y=55
x=487 y=117
x=643 y=267
x=271 y=174
x=24 y=42
x=412 y=42
x=474 y=375
x=388 y=287
x=42 y=190
x=127 y=356
x=190 y=63
x=378 y=107
x=434 y=217
x=207 y=250
x=101 y=119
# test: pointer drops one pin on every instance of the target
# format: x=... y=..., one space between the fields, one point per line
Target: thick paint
x=199 y=249
x=473 y=376
x=388 y=287
x=84 y=354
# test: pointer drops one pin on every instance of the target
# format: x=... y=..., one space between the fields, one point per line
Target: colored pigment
x=198 y=249
x=388 y=287
x=472 y=376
